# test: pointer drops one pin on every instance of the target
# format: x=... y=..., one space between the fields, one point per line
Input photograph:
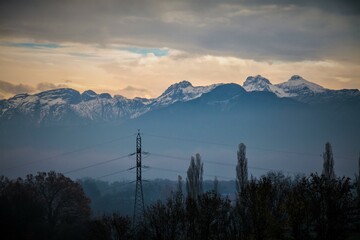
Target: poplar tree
x=241 y=169
x=179 y=186
x=328 y=168
x=216 y=185
x=194 y=180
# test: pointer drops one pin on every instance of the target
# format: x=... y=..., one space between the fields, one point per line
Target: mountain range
x=68 y=106
x=284 y=126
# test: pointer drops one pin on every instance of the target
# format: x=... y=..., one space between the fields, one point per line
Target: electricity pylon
x=139 y=197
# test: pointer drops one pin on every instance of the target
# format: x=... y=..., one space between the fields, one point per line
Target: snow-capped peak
x=182 y=91
x=177 y=86
x=88 y=95
x=259 y=83
x=258 y=80
x=297 y=85
x=295 y=78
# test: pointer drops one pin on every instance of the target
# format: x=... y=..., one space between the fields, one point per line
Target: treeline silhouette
x=273 y=206
x=45 y=206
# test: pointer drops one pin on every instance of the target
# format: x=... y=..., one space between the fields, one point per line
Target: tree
x=21 y=214
x=330 y=206
x=241 y=169
x=297 y=206
x=212 y=217
x=261 y=208
x=357 y=199
x=194 y=180
x=357 y=183
x=63 y=200
x=165 y=220
x=328 y=169
x=109 y=227
x=216 y=185
x=45 y=206
x=179 y=191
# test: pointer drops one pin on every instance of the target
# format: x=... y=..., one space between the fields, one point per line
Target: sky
x=140 y=47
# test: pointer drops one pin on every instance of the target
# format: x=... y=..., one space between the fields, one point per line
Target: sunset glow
x=139 y=49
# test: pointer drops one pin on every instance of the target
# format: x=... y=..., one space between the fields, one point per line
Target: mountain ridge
x=68 y=104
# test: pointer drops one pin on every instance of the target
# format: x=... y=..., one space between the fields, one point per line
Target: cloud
x=48 y=86
x=132 y=92
x=254 y=29
x=117 y=71
x=9 y=88
x=134 y=89
x=137 y=45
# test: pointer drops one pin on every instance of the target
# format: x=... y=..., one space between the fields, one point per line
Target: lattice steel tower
x=139 y=198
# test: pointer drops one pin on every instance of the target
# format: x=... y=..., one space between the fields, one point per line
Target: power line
x=68 y=153
x=234 y=146
x=231 y=145
x=167 y=169
x=188 y=139
x=114 y=173
x=122 y=185
x=224 y=164
x=179 y=171
x=118 y=185
x=96 y=164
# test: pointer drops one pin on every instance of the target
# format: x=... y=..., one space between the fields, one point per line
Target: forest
x=49 y=205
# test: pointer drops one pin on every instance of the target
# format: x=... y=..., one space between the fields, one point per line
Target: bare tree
x=241 y=169
x=63 y=199
x=357 y=182
x=194 y=180
x=328 y=169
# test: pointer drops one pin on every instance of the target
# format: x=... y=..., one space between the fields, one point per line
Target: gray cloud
x=256 y=29
x=345 y=7
x=132 y=91
x=48 y=86
x=9 y=88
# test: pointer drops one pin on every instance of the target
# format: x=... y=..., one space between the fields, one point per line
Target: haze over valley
x=284 y=126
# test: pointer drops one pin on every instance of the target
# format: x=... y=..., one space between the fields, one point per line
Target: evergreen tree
x=194 y=180
x=328 y=170
x=241 y=169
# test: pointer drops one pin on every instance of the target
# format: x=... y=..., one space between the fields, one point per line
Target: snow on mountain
x=47 y=105
x=69 y=106
x=182 y=91
x=259 y=83
x=56 y=105
x=297 y=85
x=88 y=95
